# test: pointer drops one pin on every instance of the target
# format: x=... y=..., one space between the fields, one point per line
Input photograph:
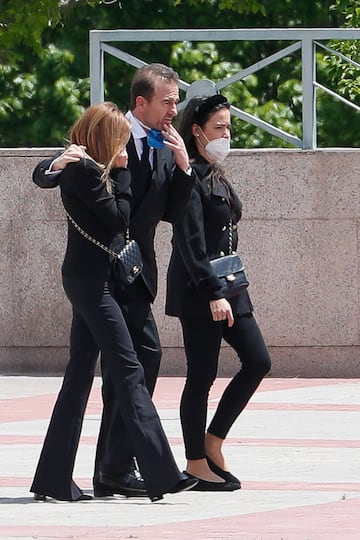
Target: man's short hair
x=143 y=83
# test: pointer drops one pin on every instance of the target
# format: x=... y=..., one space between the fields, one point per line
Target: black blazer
x=165 y=199
x=202 y=234
x=99 y=213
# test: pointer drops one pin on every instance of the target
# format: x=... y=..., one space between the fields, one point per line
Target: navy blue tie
x=144 y=162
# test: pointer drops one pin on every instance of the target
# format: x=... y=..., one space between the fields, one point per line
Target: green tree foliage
x=45 y=86
x=237 y=6
x=22 y=24
x=38 y=106
x=347 y=75
x=338 y=123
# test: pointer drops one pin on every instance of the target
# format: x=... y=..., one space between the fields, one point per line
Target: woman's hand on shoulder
x=72 y=154
x=221 y=311
x=121 y=159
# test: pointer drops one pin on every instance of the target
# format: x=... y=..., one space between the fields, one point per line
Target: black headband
x=204 y=107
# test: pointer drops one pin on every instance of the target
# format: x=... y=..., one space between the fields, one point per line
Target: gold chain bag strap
x=230 y=271
x=126 y=265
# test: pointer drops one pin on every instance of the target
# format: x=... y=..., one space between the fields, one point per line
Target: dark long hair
x=198 y=111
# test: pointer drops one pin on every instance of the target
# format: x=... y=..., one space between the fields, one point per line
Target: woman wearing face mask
x=194 y=296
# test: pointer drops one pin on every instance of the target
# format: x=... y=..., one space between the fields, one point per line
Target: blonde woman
x=95 y=191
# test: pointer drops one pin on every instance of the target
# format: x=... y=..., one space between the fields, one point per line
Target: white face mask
x=218 y=149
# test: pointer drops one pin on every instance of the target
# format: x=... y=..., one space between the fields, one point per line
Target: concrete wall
x=299 y=239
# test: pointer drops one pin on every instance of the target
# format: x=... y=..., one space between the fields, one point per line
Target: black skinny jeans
x=202 y=340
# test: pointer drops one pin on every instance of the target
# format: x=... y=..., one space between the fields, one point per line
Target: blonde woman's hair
x=105 y=131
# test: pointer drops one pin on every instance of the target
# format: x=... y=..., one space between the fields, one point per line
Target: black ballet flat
x=207 y=485
x=82 y=497
x=226 y=475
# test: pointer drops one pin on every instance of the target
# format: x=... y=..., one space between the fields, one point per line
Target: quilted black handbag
x=230 y=271
x=127 y=265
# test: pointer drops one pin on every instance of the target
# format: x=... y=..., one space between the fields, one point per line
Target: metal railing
x=304 y=39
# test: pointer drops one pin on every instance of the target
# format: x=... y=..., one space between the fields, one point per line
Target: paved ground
x=295 y=448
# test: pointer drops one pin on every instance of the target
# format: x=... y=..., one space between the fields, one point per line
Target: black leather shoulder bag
x=230 y=271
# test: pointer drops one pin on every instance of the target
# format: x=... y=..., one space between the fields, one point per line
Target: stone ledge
x=299 y=239
x=306 y=362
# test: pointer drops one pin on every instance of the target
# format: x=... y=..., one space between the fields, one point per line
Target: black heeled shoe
x=186 y=484
x=156 y=498
x=183 y=485
x=226 y=475
x=82 y=497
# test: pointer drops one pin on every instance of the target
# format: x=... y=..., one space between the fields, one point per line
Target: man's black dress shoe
x=82 y=497
x=129 y=484
x=226 y=475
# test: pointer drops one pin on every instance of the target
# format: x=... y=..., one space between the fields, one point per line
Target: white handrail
x=306 y=40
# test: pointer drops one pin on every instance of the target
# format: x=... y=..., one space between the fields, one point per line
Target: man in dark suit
x=162 y=181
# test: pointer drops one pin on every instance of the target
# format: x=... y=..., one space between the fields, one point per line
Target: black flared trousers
x=98 y=324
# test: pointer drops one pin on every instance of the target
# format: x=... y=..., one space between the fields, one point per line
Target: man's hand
x=221 y=310
x=174 y=141
x=71 y=155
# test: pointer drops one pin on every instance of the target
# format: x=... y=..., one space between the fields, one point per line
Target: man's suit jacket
x=165 y=199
